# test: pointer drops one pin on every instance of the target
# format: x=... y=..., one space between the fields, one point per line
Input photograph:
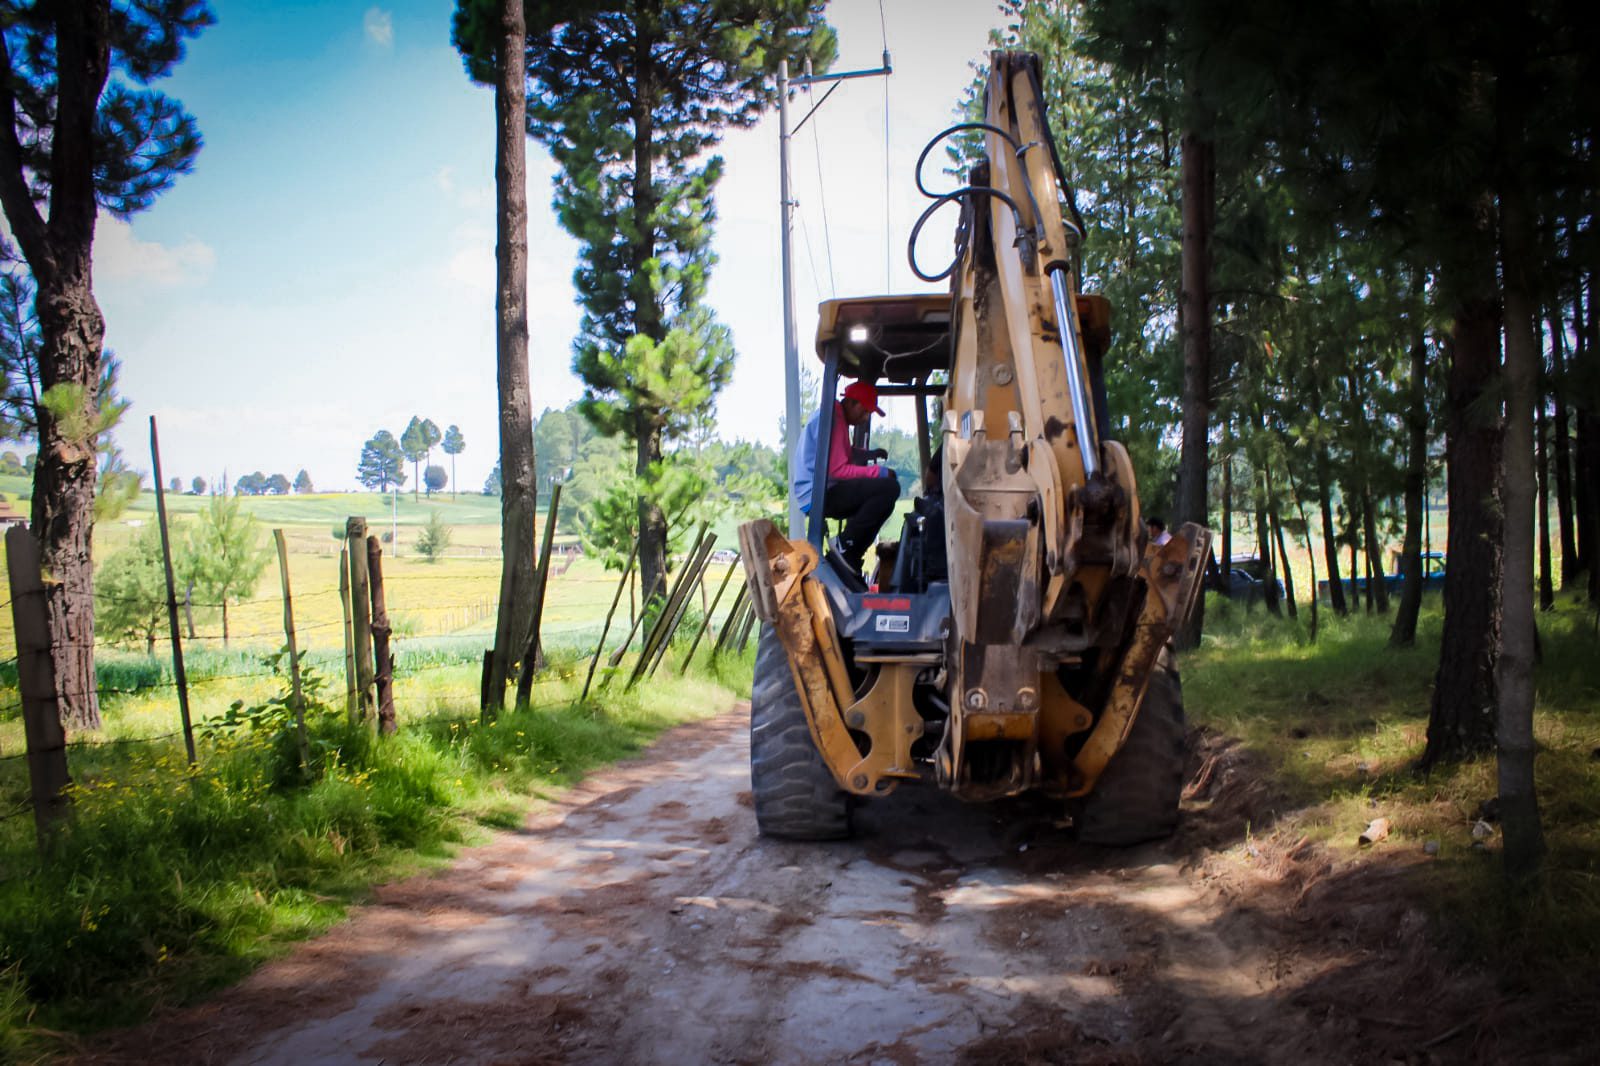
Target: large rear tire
x=1136 y=798
x=796 y=796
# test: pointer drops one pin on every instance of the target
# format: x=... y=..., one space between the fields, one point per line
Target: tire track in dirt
x=642 y=920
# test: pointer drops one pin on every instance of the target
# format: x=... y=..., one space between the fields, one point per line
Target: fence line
x=51 y=795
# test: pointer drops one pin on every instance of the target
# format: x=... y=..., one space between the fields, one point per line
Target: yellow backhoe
x=1020 y=639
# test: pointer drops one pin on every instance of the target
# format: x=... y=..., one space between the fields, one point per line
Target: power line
x=888 y=226
x=822 y=193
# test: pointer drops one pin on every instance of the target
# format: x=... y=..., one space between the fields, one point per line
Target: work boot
x=855 y=555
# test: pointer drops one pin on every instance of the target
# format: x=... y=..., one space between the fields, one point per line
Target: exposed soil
x=643 y=920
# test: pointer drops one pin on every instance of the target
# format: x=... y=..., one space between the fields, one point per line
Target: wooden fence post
x=627 y=572
x=298 y=704
x=36 y=684
x=350 y=702
x=382 y=658
x=706 y=621
x=532 y=655
x=178 y=675
x=355 y=531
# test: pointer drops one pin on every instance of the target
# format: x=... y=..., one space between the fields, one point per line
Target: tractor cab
x=902 y=345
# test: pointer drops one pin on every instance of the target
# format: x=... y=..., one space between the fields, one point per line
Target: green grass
x=1342 y=723
x=169 y=881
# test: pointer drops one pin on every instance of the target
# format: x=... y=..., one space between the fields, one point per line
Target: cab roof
x=898 y=338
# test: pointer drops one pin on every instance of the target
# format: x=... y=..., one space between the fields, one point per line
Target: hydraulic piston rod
x=1077 y=377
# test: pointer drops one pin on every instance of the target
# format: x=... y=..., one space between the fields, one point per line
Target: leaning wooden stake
x=706 y=621
x=297 y=698
x=600 y=644
x=678 y=590
x=382 y=658
x=36 y=684
x=672 y=613
x=178 y=675
x=731 y=623
x=534 y=652
x=355 y=531
x=697 y=581
x=622 y=649
x=349 y=637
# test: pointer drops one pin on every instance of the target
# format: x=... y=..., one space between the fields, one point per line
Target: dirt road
x=643 y=921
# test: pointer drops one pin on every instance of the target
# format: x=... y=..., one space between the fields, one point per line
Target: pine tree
x=631 y=97
x=131 y=590
x=80 y=130
x=225 y=555
x=414 y=446
x=381 y=463
x=454 y=445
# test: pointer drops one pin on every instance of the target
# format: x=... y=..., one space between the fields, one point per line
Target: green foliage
x=434 y=538
x=198 y=486
x=131 y=591
x=1340 y=725
x=492 y=485
x=273 y=723
x=650 y=353
x=302 y=483
x=435 y=479
x=224 y=553
x=169 y=881
x=416 y=443
x=382 y=463
x=454 y=442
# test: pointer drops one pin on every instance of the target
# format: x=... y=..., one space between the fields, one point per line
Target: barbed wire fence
x=370 y=667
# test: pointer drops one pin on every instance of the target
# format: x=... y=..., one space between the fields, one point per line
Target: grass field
x=1341 y=723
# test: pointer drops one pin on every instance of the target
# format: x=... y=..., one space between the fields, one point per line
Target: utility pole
x=786 y=204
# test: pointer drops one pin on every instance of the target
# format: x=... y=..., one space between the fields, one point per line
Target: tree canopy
x=632 y=98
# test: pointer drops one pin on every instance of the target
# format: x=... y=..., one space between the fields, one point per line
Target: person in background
x=1158 y=531
x=862 y=494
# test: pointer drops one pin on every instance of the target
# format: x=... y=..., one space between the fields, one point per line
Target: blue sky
x=328 y=268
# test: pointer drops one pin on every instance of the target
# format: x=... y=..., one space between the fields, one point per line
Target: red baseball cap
x=865 y=394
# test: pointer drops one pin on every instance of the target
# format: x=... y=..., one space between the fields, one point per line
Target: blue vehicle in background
x=1433 y=567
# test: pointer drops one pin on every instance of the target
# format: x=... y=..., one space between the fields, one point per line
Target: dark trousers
x=864 y=503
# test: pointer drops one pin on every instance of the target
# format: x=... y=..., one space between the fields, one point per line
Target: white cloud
x=379 y=25
x=120 y=256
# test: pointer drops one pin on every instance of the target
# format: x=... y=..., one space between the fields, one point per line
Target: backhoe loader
x=1020 y=639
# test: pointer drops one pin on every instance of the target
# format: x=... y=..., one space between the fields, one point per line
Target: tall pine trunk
x=1541 y=433
x=1198 y=180
x=1377 y=590
x=1514 y=742
x=72 y=335
x=1404 y=632
x=1330 y=540
x=647 y=316
x=1283 y=556
x=1561 y=431
x=652 y=521
x=1587 y=495
x=1269 y=573
x=1461 y=715
x=1227 y=499
x=519 y=491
